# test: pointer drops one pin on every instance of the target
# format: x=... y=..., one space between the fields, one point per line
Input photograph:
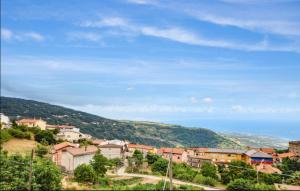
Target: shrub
x=41 y=151
x=47 y=135
x=239 y=185
x=160 y=166
x=17 y=133
x=200 y=179
x=184 y=172
x=4 y=136
x=209 y=170
x=152 y=158
x=263 y=186
x=85 y=173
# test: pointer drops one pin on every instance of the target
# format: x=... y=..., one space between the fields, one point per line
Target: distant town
x=72 y=149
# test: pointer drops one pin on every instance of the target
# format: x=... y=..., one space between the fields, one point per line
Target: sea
x=289 y=130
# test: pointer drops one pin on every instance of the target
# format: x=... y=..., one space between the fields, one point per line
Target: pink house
x=57 y=151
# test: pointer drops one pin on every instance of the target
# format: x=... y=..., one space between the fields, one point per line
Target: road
x=121 y=172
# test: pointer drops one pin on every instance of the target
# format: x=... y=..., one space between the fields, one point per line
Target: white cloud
x=6 y=34
x=143 y=2
x=89 y=36
x=182 y=35
x=106 y=22
x=265 y=110
x=130 y=88
x=33 y=35
x=21 y=36
x=194 y=100
x=207 y=100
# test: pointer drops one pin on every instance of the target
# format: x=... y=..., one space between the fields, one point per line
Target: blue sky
x=168 y=61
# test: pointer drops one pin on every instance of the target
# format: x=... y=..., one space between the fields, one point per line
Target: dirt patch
x=19 y=146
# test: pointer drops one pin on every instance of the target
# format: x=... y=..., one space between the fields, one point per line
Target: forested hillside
x=155 y=134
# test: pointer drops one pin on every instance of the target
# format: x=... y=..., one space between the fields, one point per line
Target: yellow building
x=33 y=123
x=219 y=155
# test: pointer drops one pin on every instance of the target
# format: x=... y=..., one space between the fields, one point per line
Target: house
x=97 y=142
x=33 y=123
x=294 y=147
x=143 y=148
x=268 y=169
x=57 y=150
x=224 y=155
x=269 y=151
x=279 y=157
x=197 y=161
x=179 y=155
x=111 y=151
x=4 y=121
x=254 y=157
x=70 y=133
x=73 y=157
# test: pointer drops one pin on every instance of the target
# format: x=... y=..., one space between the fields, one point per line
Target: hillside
x=151 y=133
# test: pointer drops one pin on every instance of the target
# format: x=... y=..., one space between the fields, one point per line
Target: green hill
x=151 y=133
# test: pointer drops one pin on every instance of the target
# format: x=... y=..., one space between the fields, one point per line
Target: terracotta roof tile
x=286 y=155
x=63 y=145
x=82 y=151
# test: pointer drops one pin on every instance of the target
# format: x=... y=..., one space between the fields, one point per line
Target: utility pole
x=171 y=172
x=30 y=171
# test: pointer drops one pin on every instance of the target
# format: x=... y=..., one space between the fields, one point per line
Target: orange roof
x=97 y=141
x=63 y=145
x=265 y=150
x=82 y=151
x=200 y=149
x=286 y=155
x=137 y=146
x=171 y=150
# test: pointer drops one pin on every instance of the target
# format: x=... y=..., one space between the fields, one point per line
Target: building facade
x=73 y=157
x=33 y=123
x=179 y=155
x=111 y=151
x=294 y=147
x=57 y=149
x=4 y=121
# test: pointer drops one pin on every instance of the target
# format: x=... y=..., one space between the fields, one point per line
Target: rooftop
x=29 y=120
x=63 y=145
x=110 y=146
x=231 y=151
x=137 y=146
x=171 y=150
x=82 y=151
x=258 y=154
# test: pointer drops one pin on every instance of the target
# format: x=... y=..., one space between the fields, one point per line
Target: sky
x=222 y=64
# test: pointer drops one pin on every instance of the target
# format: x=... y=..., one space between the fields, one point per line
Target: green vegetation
x=98 y=163
x=14 y=173
x=245 y=185
x=41 y=150
x=155 y=134
x=209 y=170
x=85 y=173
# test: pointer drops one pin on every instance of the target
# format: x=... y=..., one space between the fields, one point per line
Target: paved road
x=121 y=172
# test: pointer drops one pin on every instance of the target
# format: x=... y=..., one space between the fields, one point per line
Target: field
x=19 y=146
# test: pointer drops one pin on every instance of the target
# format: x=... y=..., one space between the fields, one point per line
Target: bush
x=45 y=135
x=160 y=166
x=41 y=151
x=200 y=179
x=4 y=136
x=152 y=158
x=183 y=172
x=17 y=133
x=263 y=186
x=209 y=170
x=85 y=173
x=239 y=185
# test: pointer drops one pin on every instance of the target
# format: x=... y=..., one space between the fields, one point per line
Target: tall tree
x=98 y=163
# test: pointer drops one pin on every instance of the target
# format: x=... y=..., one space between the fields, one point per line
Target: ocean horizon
x=289 y=130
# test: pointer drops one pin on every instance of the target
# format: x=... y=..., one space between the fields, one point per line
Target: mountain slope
x=155 y=134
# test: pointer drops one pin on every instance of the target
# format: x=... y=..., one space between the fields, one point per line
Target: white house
x=73 y=157
x=5 y=122
x=111 y=151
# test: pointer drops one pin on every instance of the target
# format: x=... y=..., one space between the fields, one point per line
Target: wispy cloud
x=181 y=35
x=88 y=36
x=7 y=34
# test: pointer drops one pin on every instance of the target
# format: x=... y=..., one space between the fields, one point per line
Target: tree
x=14 y=173
x=239 y=185
x=41 y=150
x=47 y=135
x=237 y=170
x=160 y=166
x=152 y=158
x=47 y=175
x=263 y=187
x=85 y=173
x=200 y=179
x=98 y=163
x=209 y=170
x=138 y=157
